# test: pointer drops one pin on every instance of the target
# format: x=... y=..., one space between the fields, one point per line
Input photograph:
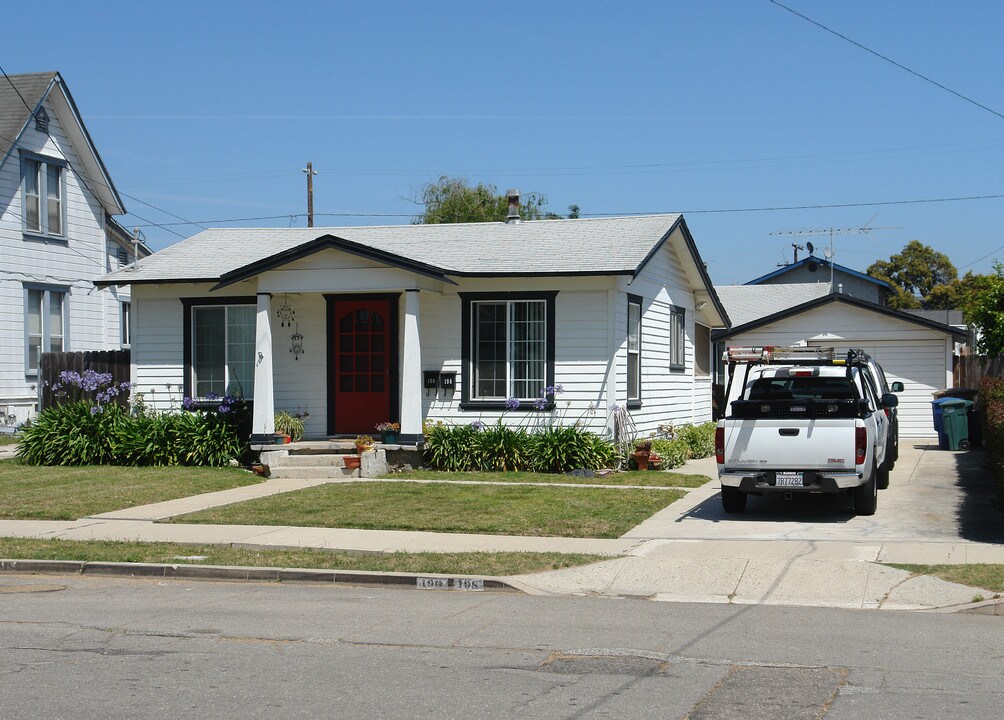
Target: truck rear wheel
x=733 y=499
x=882 y=481
x=866 y=496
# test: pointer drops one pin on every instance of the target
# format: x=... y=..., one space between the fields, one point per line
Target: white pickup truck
x=804 y=421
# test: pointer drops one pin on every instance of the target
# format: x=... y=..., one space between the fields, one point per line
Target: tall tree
x=958 y=294
x=455 y=200
x=914 y=273
x=986 y=313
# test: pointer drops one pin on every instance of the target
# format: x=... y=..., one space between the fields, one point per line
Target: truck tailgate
x=802 y=445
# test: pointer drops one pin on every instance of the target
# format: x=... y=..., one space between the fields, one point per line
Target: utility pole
x=832 y=232
x=310 y=193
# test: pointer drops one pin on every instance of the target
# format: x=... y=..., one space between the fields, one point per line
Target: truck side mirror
x=889 y=400
x=897 y=386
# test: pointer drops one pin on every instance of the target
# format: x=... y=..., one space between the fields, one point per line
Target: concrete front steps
x=321 y=459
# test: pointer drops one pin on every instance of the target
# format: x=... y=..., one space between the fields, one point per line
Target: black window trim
x=187 y=305
x=633 y=403
x=466 y=300
x=674 y=311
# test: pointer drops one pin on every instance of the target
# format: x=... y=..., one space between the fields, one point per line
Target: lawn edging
x=232 y=573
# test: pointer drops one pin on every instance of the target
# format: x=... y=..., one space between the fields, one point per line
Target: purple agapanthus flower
x=187 y=403
x=95 y=409
x=512 y=403
x=540 y=403
x=478 y=425
x=212 y=396
x=223 y=408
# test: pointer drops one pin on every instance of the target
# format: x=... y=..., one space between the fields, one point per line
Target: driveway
x=933 y=496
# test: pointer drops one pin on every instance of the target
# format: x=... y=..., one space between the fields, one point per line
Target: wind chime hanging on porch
x=287 y=315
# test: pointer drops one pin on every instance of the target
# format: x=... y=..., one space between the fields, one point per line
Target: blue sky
x=209 y=110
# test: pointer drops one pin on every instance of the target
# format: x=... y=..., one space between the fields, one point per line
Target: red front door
x=361 y=357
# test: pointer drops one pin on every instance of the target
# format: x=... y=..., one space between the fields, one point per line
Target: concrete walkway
x=809 y=553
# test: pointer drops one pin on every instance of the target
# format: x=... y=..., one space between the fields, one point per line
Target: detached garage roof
x=736 y=300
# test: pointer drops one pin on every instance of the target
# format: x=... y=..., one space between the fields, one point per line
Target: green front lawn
x=500 y=564
x=8 y=440
x=630 y=477
x=52 y=492
x=486 y=509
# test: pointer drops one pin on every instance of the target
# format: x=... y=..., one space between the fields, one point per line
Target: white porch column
x=263 y=420
x=411 y=372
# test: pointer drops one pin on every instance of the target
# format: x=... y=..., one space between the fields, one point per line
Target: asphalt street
x=74 y=647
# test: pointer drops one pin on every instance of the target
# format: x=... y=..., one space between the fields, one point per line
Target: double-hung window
x=45 y=327
x=634 y=350
x=125 y=332
x=220 y=350
x=508 y=346
x=42 y=197
x=677 y=339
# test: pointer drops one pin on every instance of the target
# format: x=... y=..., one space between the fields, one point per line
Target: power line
x=888 y=59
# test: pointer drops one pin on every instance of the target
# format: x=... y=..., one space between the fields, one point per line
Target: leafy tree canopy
x=915 y=271
x=986 y=312
x=455 y=200
x=958 y=294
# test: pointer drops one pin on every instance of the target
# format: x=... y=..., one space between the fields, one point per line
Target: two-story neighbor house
x=56 y=237
x=825 y=273
x=456 y=323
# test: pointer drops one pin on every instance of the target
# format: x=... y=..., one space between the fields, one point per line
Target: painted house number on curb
x=428 y=583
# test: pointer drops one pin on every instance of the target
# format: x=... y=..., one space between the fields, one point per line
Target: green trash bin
x=955 y=419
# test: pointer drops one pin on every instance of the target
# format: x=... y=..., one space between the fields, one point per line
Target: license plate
x=788 y=479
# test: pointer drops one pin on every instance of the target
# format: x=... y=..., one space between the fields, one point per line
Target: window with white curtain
x=634 y=349
x=42 y=196
x=45 y=324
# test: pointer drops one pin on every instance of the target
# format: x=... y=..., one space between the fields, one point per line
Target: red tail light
x=860 y=445
x=720 y=445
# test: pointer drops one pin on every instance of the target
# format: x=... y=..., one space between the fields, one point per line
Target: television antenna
x=832 y=232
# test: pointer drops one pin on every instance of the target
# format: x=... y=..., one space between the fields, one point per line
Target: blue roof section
x=822 y=262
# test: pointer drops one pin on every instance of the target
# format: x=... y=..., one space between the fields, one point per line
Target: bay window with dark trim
x=508 y=347
x=219 y=347
x=634 y=351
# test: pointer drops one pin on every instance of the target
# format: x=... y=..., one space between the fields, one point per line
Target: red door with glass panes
x=361 y=354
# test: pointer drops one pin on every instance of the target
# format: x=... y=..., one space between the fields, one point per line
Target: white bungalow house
x=358 y=325
x=56 y=236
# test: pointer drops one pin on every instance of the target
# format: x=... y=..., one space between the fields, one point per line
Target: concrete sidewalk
x=689 y=551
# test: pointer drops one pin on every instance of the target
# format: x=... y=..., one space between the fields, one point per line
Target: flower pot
x=352 y=462
x=388 y=437
x=363 y=448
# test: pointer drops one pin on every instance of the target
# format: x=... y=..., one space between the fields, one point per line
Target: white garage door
x=920 y=366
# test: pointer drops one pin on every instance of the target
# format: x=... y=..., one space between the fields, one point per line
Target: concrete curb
x=259 y=574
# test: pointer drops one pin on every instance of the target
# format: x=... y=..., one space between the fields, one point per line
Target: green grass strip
x=483 y=509
x=986 y=576
x=480 y=563
x=33 y=492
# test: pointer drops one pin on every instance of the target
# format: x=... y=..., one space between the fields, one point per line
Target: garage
x=914 y=350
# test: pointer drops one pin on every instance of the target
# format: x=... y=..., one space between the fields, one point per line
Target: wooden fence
x=116 y=362
x=969 y=369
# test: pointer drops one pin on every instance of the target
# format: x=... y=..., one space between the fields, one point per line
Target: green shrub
x=74 y=433
x=673 y=452
x=699 y=438
x=991 y=400
x=78 y=433
x=501 y=448
x=562 y=449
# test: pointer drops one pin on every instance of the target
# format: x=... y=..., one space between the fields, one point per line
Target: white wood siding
x=75 y=263
x=909 y=353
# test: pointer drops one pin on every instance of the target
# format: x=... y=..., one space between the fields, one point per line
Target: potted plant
x=388 y=432
x=363 y=443
x=289 y=425
x=352 y=462
x=642 y=454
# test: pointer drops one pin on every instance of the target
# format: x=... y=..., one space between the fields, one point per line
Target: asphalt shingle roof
x=747 y=303
x=585 y=246
x=13 y=113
